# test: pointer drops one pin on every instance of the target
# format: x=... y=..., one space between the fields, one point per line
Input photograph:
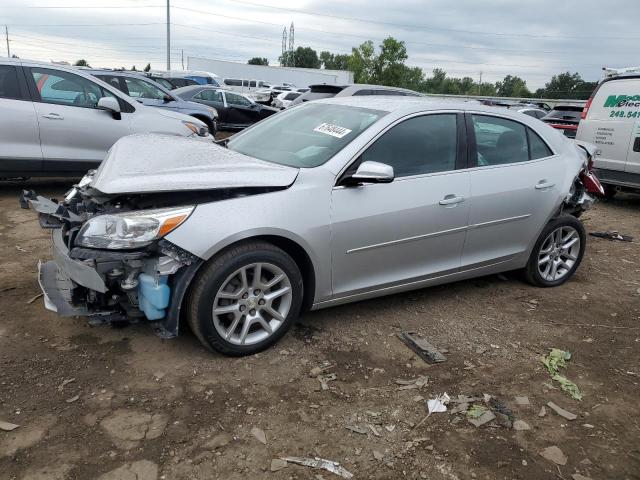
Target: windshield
x=306 y=136
x=561 y=114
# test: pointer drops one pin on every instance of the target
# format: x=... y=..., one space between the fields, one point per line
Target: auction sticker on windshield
x=333 y=130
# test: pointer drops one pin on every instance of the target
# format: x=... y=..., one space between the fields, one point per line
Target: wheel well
x=300 y=256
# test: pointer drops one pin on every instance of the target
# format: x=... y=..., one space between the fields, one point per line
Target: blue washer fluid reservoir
x=153 y=297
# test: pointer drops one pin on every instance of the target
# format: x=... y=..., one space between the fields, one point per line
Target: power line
x=428 y=27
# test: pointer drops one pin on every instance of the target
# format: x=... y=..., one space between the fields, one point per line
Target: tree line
x=386 y=66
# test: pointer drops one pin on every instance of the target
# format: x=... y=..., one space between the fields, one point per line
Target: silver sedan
x=330 y=202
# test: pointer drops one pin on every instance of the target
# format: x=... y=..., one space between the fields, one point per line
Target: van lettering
x=614 y=100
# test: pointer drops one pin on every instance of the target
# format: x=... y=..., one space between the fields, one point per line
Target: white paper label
x=333 y=130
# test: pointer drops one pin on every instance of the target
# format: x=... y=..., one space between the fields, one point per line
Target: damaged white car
x=332 y=202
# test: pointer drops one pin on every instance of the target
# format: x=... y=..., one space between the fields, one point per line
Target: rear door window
x=499 y=141
x=140 y=89
x=210 y=96
x=9 y=86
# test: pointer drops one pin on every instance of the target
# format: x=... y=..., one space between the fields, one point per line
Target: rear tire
x=557 y=253
x=245 y=299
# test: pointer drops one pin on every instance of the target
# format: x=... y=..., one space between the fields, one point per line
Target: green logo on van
x=622 y=101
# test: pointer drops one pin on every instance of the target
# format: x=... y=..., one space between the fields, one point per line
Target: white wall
x=300 y=77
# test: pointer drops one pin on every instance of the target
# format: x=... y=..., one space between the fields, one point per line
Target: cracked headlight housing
x=130 y=229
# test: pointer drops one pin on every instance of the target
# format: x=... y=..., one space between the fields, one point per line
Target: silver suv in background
x=152 y=94
x=323 y=90
x=60 y=121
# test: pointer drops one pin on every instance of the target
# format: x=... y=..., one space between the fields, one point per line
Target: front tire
x=245 y=299
x=557 y=253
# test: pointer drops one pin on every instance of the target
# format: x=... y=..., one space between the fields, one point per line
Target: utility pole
x=480 y=85
x=6 y=33
x=182 y=58
x=168 y=36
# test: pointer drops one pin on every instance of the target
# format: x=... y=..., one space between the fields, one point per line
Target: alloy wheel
x=252 y=303
x=559 y=253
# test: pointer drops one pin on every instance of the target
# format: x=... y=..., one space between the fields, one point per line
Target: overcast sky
x=531 y=39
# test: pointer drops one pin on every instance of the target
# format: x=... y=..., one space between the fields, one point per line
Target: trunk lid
x=164 y=163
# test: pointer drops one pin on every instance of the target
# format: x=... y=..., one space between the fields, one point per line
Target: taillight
x=585 y=110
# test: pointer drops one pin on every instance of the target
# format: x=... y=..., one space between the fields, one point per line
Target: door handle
x=53 y=116
x=543 y=184
x=451 y=199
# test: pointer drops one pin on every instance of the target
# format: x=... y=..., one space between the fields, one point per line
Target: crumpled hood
x=164 y=163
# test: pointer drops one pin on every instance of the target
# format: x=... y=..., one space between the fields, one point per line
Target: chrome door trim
x=407 y=239
x=438 y=234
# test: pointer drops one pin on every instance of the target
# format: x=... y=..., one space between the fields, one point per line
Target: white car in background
x=61 y=121
x=284 y=99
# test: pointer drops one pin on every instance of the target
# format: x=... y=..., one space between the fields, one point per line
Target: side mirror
x=110 y=104
x=167 y=99
x=373 y=172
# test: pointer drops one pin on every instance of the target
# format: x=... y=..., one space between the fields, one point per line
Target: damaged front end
x=111 y=262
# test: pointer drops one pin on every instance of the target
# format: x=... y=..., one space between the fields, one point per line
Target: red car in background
x=565 y=118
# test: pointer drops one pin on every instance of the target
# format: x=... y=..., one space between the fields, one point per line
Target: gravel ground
x=97 y=402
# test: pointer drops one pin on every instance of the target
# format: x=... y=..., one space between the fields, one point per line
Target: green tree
x=82 y=63
x=133 y=69
x=258 y=61
x=363 y=63
x=334 y=62
x=148 y=67
x=302 y=57
x=389 y=64
x=567 y=85
x=512 y=86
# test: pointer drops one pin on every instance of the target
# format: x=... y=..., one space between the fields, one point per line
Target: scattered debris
x=34 y=298
x=20 y=249
x=521 y=425
x=390 y=428
x=476 y=411
x=259 y=434
x=325 y=379
x=219 y=441
x=555 y=360
x=577 y=476
x=317 y=371
x=374 y=430
x=612 y=235
x=357 y=428
x=72 y=399
x=378 y=455
x=421 y=347
x=555 y=455
x=542 y=412
x=328 y=465
x=278 y=464
x=411 y=384
x=485 y=417
x=522 y=401
x=438 y=404
x=65 y=383
x=7 y=427
x=561 y=411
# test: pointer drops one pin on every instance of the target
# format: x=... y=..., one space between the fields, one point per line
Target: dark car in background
x=171 y=83
x=565 y=118
x=235 y=111
x=152 y=94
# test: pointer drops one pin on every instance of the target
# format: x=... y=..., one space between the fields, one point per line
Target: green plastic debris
x=554 y=361
x=568 y=386
x=476 y=411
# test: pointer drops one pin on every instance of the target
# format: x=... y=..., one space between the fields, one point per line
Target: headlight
x=213 y=111
x=201 y=131
x=130 y=229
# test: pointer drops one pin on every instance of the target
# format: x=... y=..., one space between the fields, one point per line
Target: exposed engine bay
x=120 y=285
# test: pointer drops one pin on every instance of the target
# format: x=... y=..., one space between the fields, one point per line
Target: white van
x=244 y=85
x=611 y=121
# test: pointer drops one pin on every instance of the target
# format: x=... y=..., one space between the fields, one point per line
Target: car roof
x=408 y=105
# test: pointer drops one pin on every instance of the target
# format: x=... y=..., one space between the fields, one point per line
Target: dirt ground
x=97 y=402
